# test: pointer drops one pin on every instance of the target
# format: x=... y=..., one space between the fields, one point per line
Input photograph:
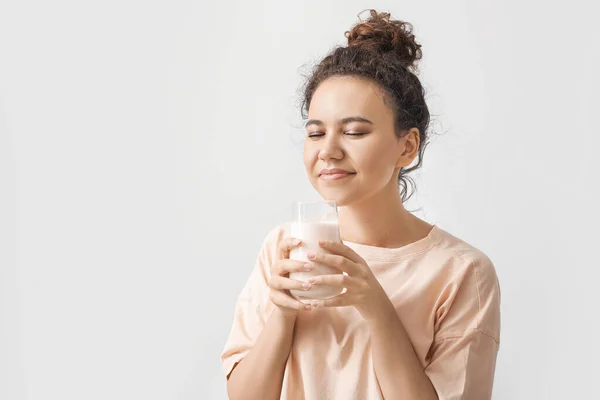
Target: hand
x=363 y=290
x=280 y=283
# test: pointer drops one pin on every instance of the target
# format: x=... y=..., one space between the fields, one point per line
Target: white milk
x=311 y=233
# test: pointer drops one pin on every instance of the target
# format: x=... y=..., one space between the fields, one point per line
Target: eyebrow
x=343 y=121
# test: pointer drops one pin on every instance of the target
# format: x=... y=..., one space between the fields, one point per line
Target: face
x=351 y=151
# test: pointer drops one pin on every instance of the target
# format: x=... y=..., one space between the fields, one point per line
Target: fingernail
x=312 y=280
x=322 y=242
x=311 y=256
x=297 y=241
x=306 y=286
x=307 y=308
x=315 y=305
x=308 y=266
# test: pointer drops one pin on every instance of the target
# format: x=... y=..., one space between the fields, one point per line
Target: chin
x=341 y=197
x=342 y=193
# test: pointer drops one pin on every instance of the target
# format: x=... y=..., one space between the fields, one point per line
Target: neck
x=381 y=221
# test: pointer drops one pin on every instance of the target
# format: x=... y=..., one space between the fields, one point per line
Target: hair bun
x=385 y=35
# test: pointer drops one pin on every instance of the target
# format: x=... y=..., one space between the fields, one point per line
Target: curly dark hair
x=383 y=51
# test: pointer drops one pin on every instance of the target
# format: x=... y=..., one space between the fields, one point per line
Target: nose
x=330 y=148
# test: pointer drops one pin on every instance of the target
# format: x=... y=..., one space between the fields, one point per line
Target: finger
x=341 y=249
x=281 y=283
x=336 y=280
x=341 y=300
x=285 y=245
x=338 y=262
x=284 y=300
x=286 y=266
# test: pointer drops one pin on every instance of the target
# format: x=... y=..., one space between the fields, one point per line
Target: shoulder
x=271 y=239
x=460 y=257
x=257 y=283
x=274 y=235
x=468 y=280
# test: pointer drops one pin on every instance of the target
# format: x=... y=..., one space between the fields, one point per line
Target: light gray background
x=146 y=148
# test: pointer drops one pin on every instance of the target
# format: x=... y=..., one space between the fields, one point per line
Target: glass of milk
x=314 y=221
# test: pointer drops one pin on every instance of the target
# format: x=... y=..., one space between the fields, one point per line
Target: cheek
x=309 y=157
x=376 y=161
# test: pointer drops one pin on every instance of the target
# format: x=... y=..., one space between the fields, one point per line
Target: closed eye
x=355 y=133
x=319 y=134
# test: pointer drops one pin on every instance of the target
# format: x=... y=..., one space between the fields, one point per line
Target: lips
x=332 y=171
x=334 y=174
x=334 y=177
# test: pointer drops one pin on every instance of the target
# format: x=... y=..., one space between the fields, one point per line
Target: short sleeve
x=462 y=358
x=253 y=306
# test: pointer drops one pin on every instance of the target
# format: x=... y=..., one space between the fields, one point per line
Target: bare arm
x=399 y=372
x=260 y=374
x=397 y=368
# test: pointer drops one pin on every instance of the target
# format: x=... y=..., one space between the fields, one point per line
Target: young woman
x=420 y=318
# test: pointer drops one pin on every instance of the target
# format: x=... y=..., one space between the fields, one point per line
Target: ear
x=408 y=147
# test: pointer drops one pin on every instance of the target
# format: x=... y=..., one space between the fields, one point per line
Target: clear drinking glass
x=314 y=221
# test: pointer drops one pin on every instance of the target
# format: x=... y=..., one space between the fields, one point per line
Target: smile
x=335 y=177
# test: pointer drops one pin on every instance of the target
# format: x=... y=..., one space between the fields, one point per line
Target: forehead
x=340 y=97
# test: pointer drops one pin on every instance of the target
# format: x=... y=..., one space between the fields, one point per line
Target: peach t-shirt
x=446 y=293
